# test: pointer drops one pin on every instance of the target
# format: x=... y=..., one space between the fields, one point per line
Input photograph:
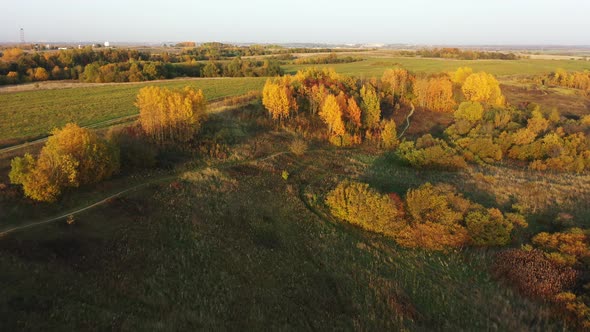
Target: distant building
x=107 y=44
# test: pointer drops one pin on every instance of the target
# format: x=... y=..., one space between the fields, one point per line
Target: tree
x=370 y=106
x=397 y=82
x=71 y=157
x=12 y=54
x=435 y=93
x=470 y=111
x=277 y=97
x=461 y=74
x=389 y=135
x=483 y=87
x=171 y=116
x=360 y=205
x=40 y=74
x=331 y=114
x=354 y=113
x=210 y=70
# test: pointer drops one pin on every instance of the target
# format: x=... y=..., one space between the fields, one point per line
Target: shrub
x=436 y=214
x=298 y=147
x=533 y=274
x=564 y=248
x=135 y=148
x=488 y=227
x=360 y=205
x=429 y=152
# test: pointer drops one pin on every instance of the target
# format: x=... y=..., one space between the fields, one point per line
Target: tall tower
x=22 y=35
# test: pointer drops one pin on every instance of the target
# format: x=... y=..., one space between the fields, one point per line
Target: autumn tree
x=12 y=54
x=370 y=106
x=389 y=135
x=470 y=111
x=331 y=114
x=72 y=156
x=277 y=97
x=461 y=74
x=171 y=116
x=483 y=87
x=397 y=82
x=435 y=93
x=353 y=114
x=38 y=74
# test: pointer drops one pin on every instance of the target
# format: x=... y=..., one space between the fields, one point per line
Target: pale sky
x=559 y=22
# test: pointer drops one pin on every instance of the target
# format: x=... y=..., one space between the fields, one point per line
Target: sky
x=425 y=22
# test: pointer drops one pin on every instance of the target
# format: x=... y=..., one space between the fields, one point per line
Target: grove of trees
x=171 y=116
x=72 y=156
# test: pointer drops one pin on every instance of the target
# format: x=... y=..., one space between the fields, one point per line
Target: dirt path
x=130 y=189
x=408 y=120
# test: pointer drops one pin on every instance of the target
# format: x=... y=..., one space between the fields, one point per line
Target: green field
x=376 y=65
x=35 y=113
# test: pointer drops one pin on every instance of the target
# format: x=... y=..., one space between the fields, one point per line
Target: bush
x=429 y=152
x=136 y=149
x=533 y=274
x=564 y=248
x=488 y=227
x=298 y=147
x=360 y=205
x=436 y=214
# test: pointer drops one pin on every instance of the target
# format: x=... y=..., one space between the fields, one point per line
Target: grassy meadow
x=232 y=244
x=35 y=113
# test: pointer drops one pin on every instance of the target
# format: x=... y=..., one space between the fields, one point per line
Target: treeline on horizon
x=456 y=53
x=103 y=65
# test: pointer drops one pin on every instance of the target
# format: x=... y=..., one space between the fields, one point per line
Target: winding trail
x=133 y=188
x=407 y=120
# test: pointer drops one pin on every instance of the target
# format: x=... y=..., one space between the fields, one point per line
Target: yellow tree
x=483 y=87
x=389 y=135
x=12 y=54
x=171 y=116
x=461 y=74
x=469 y=110
x=435 y=94
x=71 y=157
x=397 y=82
x=278 y=99
x=371 y=107
x=332 y=116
